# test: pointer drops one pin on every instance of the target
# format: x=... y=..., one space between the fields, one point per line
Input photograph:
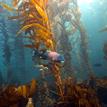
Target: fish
x=42 y=67
x=46 y=68
x=103 y=29
x=54 y=56
x=49 y=55
x=97 y=64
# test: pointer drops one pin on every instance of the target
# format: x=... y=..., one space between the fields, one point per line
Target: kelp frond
x=39 y=7
x=34 y=25
x=7 y=7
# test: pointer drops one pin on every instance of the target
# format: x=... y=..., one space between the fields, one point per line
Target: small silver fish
x=41 y=69
x=46 y=68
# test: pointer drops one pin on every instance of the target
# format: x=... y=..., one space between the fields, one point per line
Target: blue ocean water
x=94 y=17
x=19 y=59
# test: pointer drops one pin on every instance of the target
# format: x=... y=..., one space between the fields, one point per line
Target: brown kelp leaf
x=43 y=3
x=7 y=7
x=30 y=21
x=14 y=17
x=43 y=33
x=24 y=28
x=19 y=90
x=30 y=46
x=24 y=91
x=33 y=25
x=34 y=14
x=37 y=2
x=40 y=10
x=31 y=16
x=33 y=86
x=49 y=44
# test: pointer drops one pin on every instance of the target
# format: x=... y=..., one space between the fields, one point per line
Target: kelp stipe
x=34 y=21
x=36 y=25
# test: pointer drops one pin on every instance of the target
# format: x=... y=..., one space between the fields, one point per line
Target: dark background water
x=94 y=13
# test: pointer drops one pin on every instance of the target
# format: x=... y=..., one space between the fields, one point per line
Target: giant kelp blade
x=14 y=17
x=33 y=25
x=33 y=87
x=43 y=3
x=49 y=43
x=30 y=46
x=24 y=28
x=44 y=34
x=7 y=7
x=40 y=10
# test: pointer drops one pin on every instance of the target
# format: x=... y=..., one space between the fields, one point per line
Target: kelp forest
x=45 y=58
